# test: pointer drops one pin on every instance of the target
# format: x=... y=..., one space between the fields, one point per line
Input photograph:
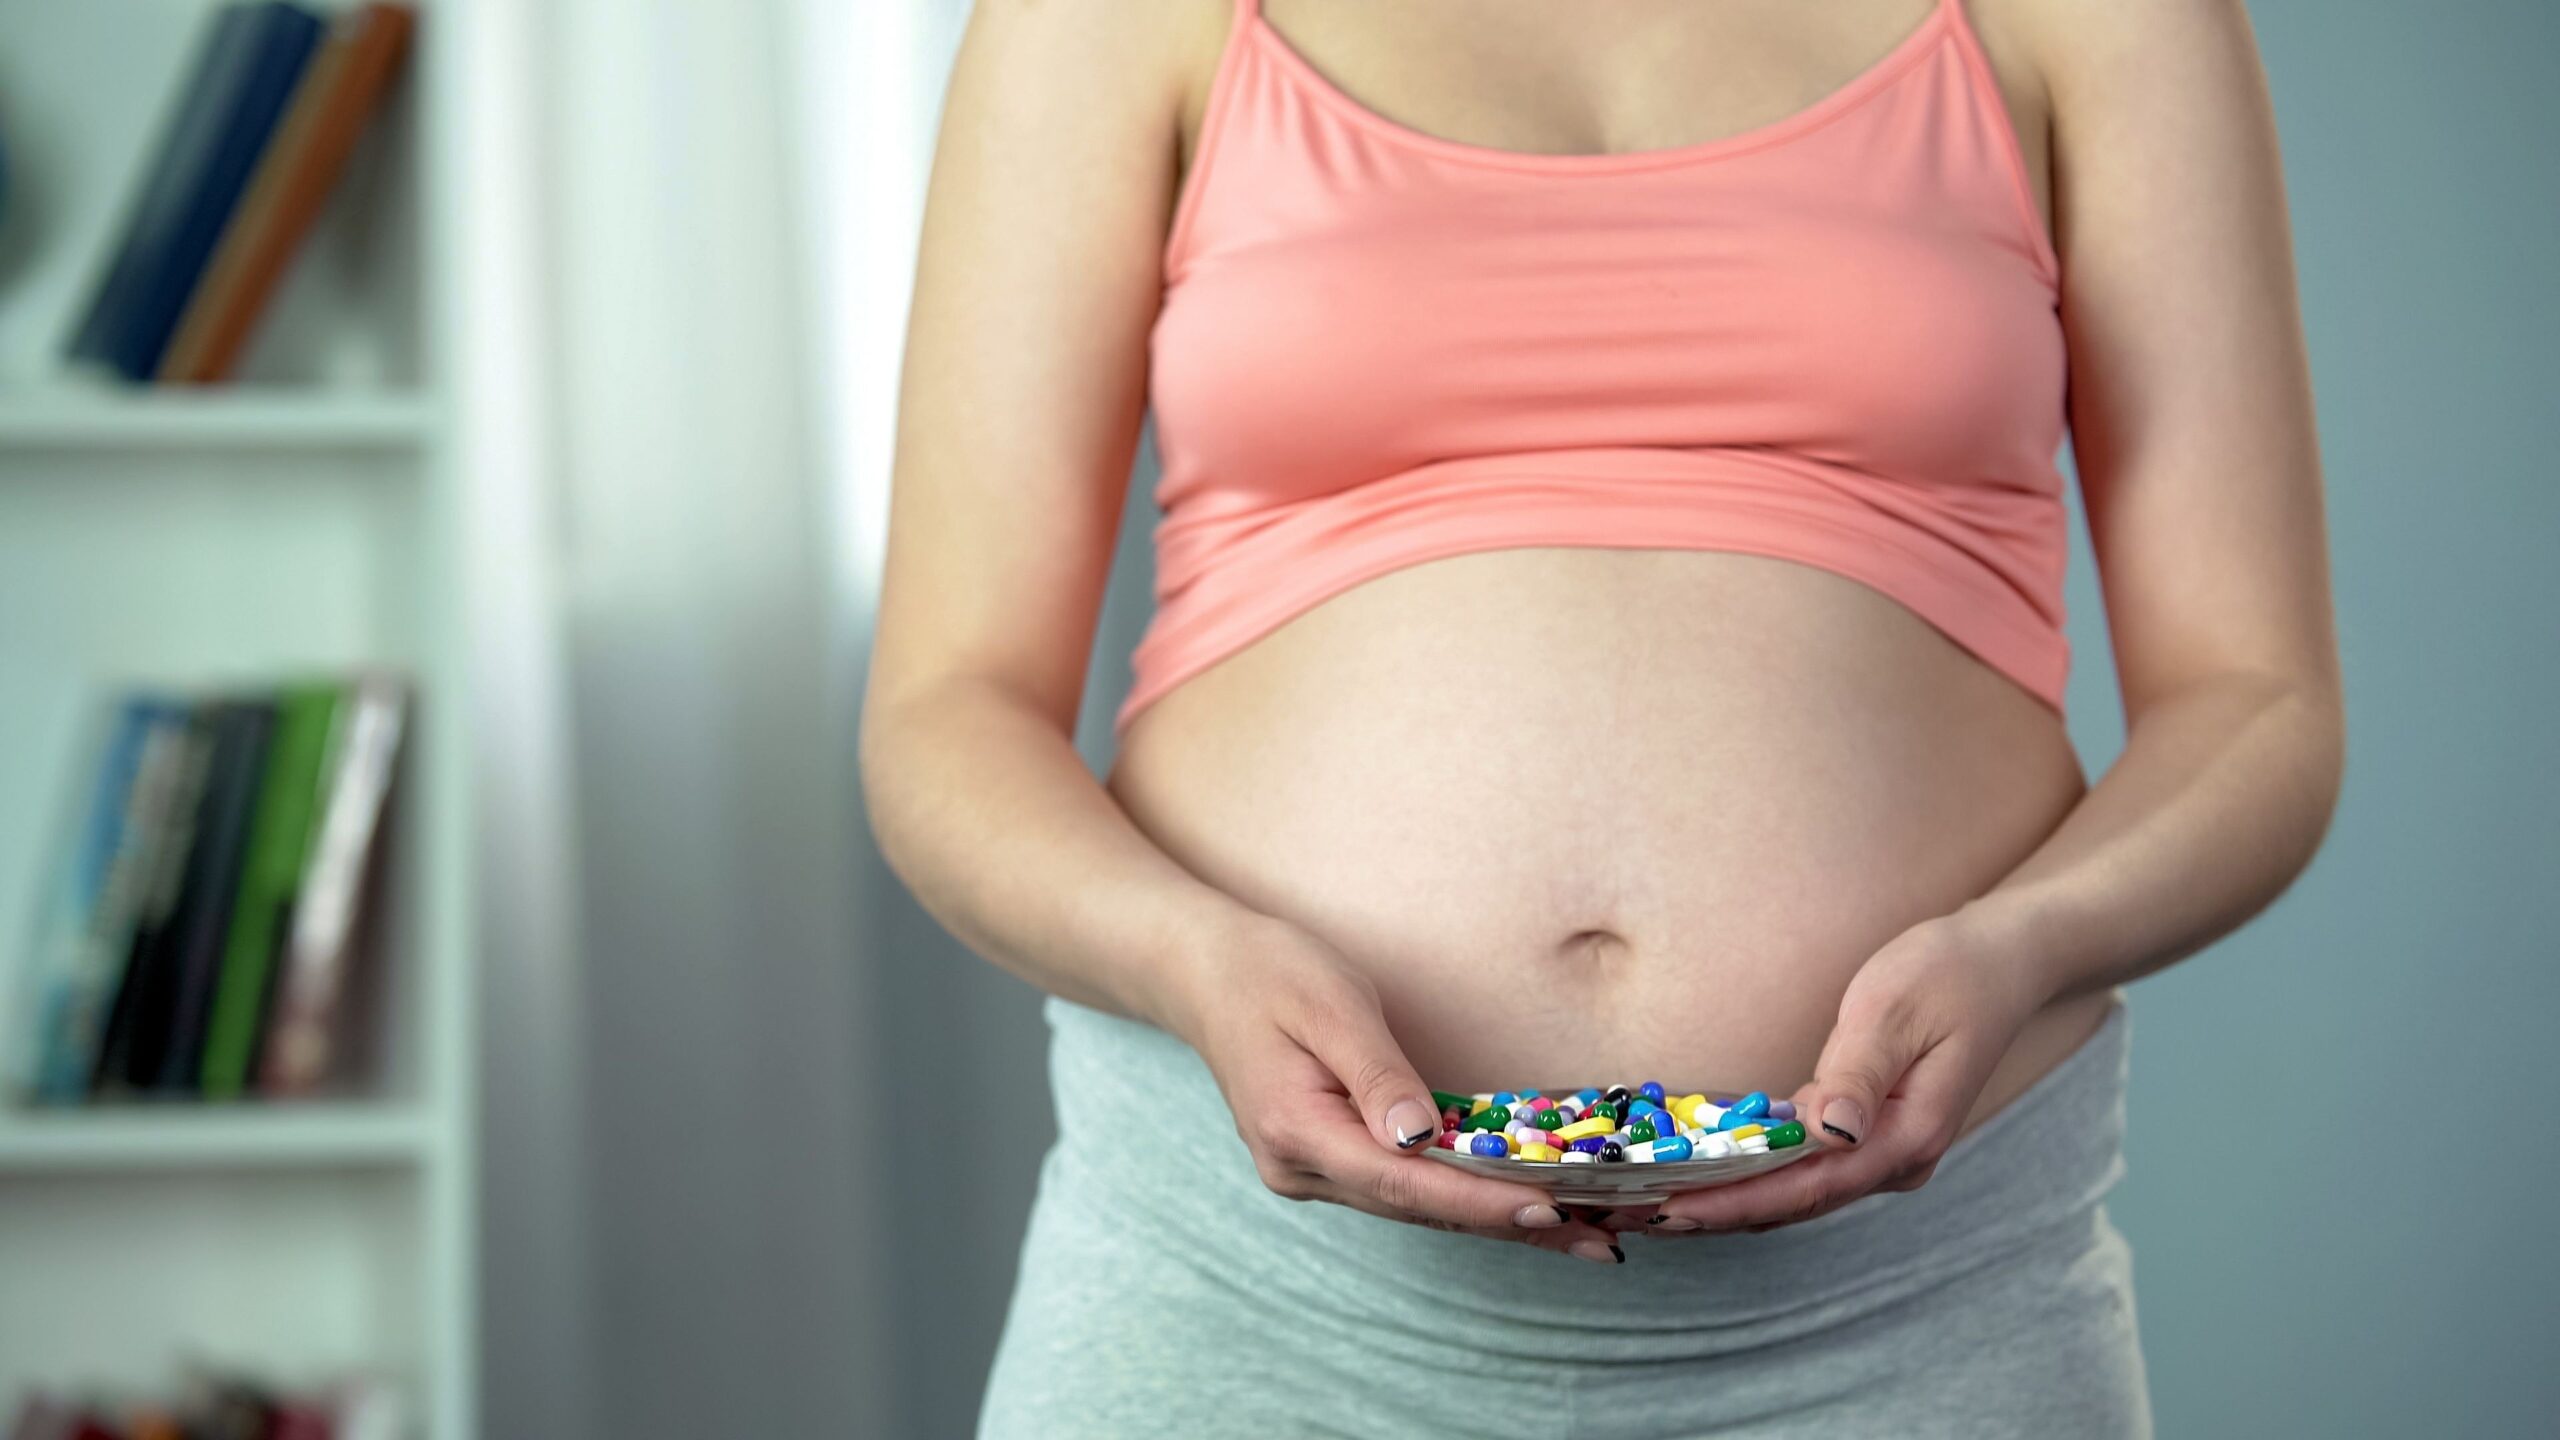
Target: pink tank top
x=1833 y=339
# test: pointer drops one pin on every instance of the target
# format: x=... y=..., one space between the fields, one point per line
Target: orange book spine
x=311 y=147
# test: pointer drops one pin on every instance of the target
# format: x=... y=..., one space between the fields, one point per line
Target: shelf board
x=66 y=418
x=179 y=1136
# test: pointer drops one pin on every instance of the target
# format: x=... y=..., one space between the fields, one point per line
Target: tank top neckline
x=1257 y=30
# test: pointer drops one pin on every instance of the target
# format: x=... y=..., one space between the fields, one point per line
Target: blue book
x=253 y=54
x=65 y=962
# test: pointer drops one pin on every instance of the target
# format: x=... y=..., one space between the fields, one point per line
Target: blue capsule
x=1505 y=1097
x=1492 y=1147
x=1588 y=1144
x=1750 y=1107
x=1651 y=1090
x=1586 y=1095
x=1670 y=1148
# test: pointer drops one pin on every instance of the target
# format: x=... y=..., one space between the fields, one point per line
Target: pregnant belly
x=1595 y=814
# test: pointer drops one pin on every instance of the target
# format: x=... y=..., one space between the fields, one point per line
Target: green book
x=279 y=837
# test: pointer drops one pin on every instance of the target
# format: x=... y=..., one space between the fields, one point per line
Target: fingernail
x=1844 y=1119
x=1537 y=1217
x=1413 y=1122
x=1598 y=1253
x=1675 y=1222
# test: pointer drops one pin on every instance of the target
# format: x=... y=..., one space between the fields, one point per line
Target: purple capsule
x=1588 y=1144
x=1782 y=1109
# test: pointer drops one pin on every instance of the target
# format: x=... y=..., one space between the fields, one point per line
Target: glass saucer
x=1626 y=1182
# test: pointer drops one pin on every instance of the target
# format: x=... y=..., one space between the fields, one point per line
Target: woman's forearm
x=995 y=824
x=2218 y=802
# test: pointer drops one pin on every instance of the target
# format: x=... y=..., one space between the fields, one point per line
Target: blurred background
x=485 y=420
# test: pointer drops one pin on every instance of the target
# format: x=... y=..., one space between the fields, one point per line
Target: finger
x=1419 y=1185
x=1580 y=1240
x=1350 y=1038
x=1799 y=1192
x=1871 y=1046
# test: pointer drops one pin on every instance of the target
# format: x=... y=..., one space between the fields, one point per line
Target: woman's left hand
x=1920 y=1028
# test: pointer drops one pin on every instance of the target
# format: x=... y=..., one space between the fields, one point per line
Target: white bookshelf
x=273 y=419
x=345 y=1135
x=309 y=516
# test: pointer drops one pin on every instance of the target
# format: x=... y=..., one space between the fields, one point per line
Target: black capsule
x=1611 y=1150
x=1618 y=1095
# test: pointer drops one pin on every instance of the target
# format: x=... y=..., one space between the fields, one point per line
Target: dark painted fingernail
x=1621 y=1254
x=1676 y=1222
x=1843 y=1117
x=1412 y=1123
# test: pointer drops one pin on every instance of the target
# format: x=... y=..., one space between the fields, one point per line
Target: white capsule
x=1755 y=1145
x=1715 y=1147
x=1575 y=1157
x=1706 y=1115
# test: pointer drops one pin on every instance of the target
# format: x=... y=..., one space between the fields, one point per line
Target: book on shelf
x=209 y=1403
x=207 y=933
x=245 y=68
x=266 y=120
x=338 y=95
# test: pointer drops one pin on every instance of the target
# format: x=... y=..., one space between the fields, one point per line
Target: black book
x=165 y=1047
x=161 y=881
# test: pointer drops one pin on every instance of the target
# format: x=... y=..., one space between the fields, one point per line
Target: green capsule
x=1446 y=1101
x=1548 y=1119
x=1782 y=1136
x=1642 y=1131
x=1602 y=1110
x=1497 y=1117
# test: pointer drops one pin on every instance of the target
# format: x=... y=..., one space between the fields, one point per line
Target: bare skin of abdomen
x=1592 y=815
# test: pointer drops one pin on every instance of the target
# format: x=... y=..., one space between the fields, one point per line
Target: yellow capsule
x=1745 y=1132
x=1535 y=1151
x=1483 y=1103
x=1580 y=1128
x=1685 y=1110
x=1511 y=1140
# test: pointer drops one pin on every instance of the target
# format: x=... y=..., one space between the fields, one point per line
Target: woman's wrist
x=1178 y=979
x=2010 y=938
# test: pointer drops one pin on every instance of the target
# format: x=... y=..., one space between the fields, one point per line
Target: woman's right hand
x=1326 y=1101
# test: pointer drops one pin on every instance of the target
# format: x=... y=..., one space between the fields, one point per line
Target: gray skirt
x=1163 y=1291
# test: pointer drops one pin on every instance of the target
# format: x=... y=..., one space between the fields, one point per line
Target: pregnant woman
x=1609 y=627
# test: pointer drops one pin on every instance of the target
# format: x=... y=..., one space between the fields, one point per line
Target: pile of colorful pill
x=1613 y=1126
